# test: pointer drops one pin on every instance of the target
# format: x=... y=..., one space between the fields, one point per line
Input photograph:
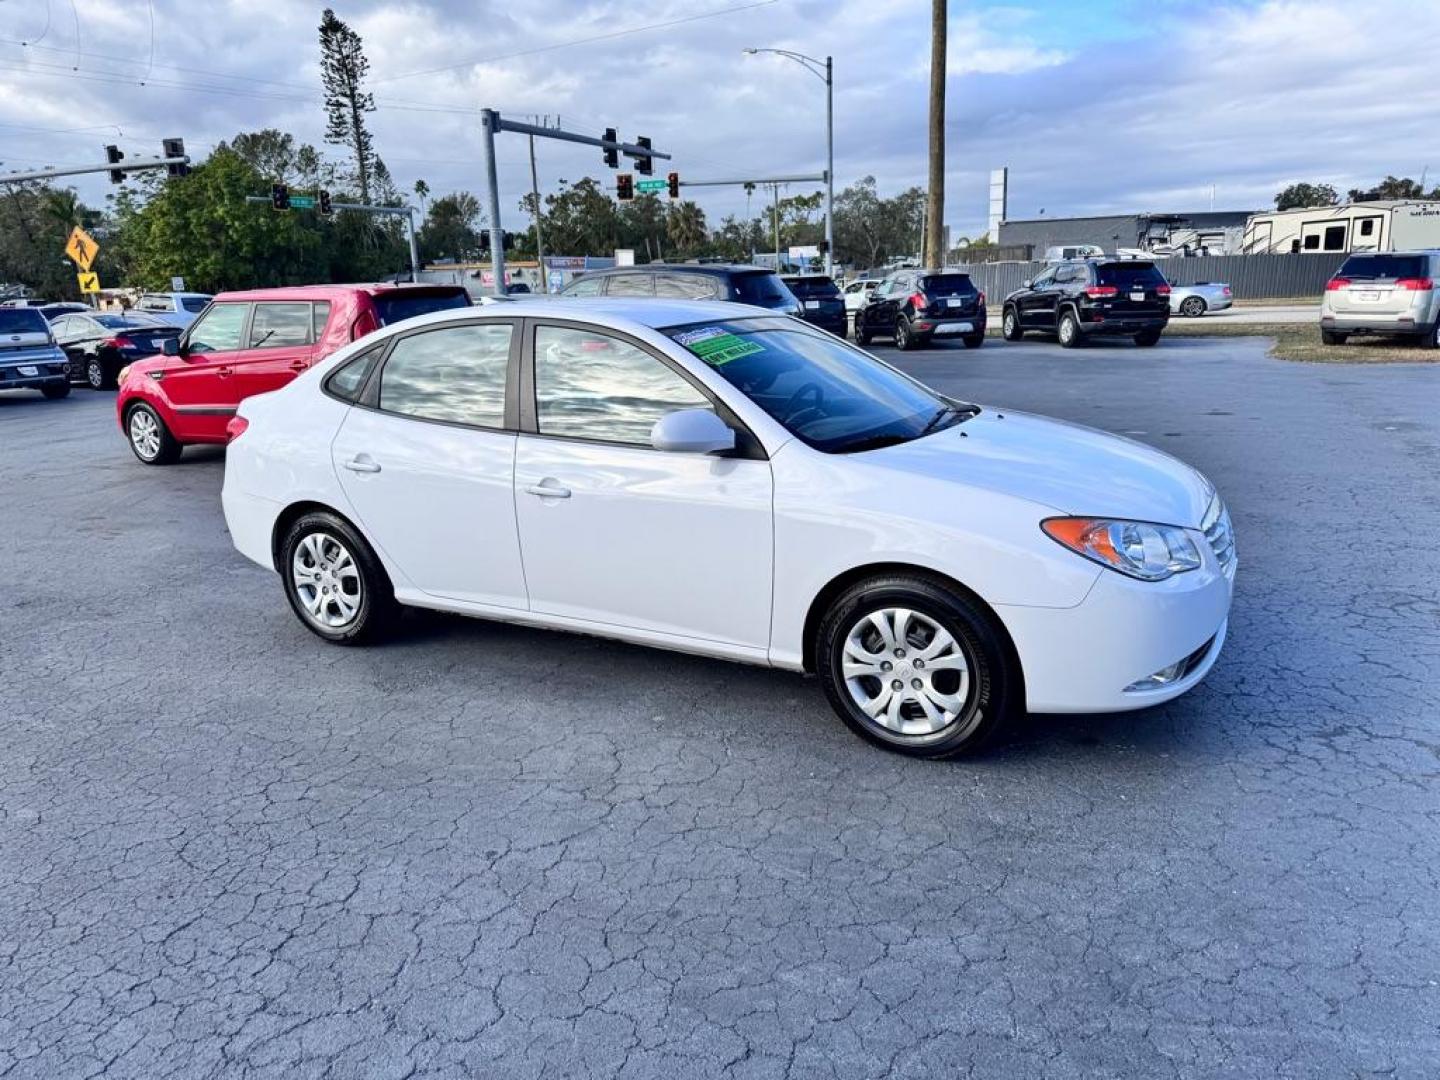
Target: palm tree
x=62 y=206
x=422 y=192
x=685 y=227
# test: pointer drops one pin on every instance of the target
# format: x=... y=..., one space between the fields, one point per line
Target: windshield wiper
x=967 y=411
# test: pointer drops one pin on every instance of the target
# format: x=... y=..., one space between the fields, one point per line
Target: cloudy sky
x=1101 y=105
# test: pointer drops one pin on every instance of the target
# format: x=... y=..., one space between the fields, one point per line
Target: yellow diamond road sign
x=82 y=248
x=89 y=283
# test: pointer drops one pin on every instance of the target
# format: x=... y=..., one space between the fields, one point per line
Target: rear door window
x=685 y=286
x=588 y=286
x=279 y=325
x=632 y=285
x=455 y=374
x=1128 y=275
x=219 y=329
x=1383 y=267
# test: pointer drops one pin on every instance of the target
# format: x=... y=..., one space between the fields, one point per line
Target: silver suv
x=1383 y=292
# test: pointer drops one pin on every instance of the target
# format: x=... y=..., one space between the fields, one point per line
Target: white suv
x=1387 y=292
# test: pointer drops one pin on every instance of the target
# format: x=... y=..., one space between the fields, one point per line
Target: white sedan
x=714 y=478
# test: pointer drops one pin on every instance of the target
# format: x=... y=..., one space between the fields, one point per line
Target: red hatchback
x=247 y=343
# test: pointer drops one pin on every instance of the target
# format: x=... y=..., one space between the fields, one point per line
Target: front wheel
x=1146 y=338
x=904 y=336
x=334 y=581
x=1010 y=327
x=862 y=335
x=1068 y=331
x=150 y=440
x=915 y=667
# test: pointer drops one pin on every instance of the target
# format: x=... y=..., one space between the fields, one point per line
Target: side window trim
x=747 y=444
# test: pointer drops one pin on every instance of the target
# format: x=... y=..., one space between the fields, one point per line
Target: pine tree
x=343 y=68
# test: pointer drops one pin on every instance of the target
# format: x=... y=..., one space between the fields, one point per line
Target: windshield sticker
x=716 y=346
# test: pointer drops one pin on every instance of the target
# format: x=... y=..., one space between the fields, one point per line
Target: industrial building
x=1208 y=232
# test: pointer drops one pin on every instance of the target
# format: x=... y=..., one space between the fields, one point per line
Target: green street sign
x=302 y=202
x=644 y=186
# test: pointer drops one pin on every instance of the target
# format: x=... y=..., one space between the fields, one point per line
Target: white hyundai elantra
x=717 y=479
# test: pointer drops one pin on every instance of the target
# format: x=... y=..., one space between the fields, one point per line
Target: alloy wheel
x=906 y=672
x=145 y=434
x=95 y=375
x=1009 y=324
x=327 y=580
x=1192 y=306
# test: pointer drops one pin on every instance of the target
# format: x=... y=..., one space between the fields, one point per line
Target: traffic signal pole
x=492 y=124
x=81 y=170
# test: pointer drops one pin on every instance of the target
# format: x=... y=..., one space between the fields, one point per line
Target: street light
x=823 y=70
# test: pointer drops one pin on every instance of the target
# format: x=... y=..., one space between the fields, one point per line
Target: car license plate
x=29 y=371
x=1137 y=296
x=955 y=328
x=812 y=305
x=953 y=301
x=1368 y=295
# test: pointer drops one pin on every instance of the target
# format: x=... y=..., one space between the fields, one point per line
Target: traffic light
x=612 y=156
x=279 y=197
x=674 y=181
x=173 y=148
x=823 y=247
x=114 y=156
x=624 y=186
x=645 y=164
x=323 y=204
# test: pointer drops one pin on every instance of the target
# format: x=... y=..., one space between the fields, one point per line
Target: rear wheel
x=334 y=582
x=1068 y=331
x=55 y=391
x=149 y=438
x=1192 y=307
x=98 y=374
x=1146 y=338
x=1432 y=339
x=1010 y=327
x=1333 y=337
x=904 y=336
x=973 y=341
x=915 y=667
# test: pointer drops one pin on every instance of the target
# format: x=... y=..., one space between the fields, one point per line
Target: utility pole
x=776 y=190
x=539 y=240
x=931 y=255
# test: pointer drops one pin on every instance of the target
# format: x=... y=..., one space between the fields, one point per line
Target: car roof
x=617 y=312
x=329 y=292
x=717 y=269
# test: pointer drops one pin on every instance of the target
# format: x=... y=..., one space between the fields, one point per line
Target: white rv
x=1382 y=225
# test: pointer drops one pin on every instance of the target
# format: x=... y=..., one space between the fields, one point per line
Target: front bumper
x=1082 y=659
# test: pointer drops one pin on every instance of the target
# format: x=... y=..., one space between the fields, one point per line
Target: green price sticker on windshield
x=717 y=347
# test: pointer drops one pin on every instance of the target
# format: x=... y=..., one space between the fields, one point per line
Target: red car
x=248 y=343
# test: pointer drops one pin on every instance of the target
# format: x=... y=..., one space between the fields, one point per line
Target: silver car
x=1192 y=301
x=1383 y=292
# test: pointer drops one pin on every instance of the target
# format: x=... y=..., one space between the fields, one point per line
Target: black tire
x=1333 y=337
x=904 y=336
x=973 y=341
x=163 y=450
x=373 y=596
x=99 y=375
x=1147 y=338
x=1068 y=330
x=988 y=695
x=862 y=335
x=1431 y=340
x=1192 y=307
x=1010 y=328
x=56 y=391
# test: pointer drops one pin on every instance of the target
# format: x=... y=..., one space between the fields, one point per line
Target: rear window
x=120 y=322
x=22 y=321
x=814 y=288
x=195 y=304
x=1371 y=267
x=947 y=285
x=1126 y=274
x=397 y=307
x=759 y=288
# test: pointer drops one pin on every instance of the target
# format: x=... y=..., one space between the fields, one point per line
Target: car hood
x=1072 y=469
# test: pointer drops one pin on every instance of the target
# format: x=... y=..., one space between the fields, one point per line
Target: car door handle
x=548 y=489
x=224 y=372
x=362 y=463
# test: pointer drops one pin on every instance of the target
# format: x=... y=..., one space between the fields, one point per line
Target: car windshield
x=1124 y=275
x=1371 y=267
x=393 y=308
x=22 y=321
x=813 y=288
x=761 y=288
x=823 y=391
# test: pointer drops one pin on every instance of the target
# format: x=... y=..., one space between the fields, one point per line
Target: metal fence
x=1252 y=277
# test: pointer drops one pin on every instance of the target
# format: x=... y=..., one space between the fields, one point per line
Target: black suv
x=1090 y=298
x=913 y=305
x=742 y=284
x=820 y=301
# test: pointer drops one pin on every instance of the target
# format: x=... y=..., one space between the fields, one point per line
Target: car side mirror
x=1027 y=283
x=692 y=431
x=170 y=347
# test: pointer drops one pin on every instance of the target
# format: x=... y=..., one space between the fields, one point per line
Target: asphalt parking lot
x=227 y=849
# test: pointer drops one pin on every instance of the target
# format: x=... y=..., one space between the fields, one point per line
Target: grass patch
x=1293 y=341
x=1285 y=301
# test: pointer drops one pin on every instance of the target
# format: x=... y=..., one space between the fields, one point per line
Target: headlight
x=1134 y=548
x=123 y=372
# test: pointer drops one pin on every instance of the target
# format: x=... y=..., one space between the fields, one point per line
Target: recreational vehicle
x=1382 y=225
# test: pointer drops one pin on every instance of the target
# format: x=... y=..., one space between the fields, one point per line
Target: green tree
x=685 y=227
x=1394 y=187
x=452 y=228
x=1298 y=196
x=35 y=220
x=581 y=219
x=343 y=67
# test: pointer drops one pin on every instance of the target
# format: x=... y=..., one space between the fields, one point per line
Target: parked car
x=177 y=308
x=856 y=293
x=54 y=311
x=1192 y=301
x=1091 y=298
x=690 y=281
x=1383 y=293
x=699 y=477
x=99 y=343
x=915 y=305
x=29 y=357
x=820 y=301
x=250 y=343
x=25 y=302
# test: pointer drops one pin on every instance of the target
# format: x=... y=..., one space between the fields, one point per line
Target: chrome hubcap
x=94 y=374
x=144 y=434
x=1009 y=323
x=326 y=580
x=906 y=672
